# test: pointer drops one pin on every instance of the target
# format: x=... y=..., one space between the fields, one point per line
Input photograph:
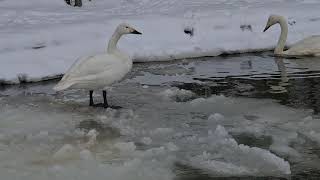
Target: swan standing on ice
x=307 y=47
x=99 y=71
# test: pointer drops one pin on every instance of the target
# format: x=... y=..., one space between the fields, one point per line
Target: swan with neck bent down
x=309 y=46
x=99 y=71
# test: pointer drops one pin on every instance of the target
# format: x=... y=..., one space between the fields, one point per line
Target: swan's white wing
x=74 y=66
x=307 y=46
x=91 y=65
x=86 y=68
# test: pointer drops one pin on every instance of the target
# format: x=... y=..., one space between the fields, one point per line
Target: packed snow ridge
x=41 y=41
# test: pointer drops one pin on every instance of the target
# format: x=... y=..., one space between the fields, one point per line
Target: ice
x=197 y=101
x=86 y=155
x=216 y=117
x=41 y=39
x=176 y=94
x=65 y=152
x=172 y=147
x=249 y=160
x=255 y=117
x=128 y=147
x=314 y=136
x=42 y=136
x=146 y=140
x=162 y=131
x=92 y=135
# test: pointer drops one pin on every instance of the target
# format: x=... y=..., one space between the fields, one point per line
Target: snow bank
x=41 y=39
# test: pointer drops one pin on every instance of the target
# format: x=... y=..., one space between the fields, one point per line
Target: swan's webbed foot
x=100 y=105
x=115 y=107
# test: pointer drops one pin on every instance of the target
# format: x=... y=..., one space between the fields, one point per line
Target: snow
x=41 y=39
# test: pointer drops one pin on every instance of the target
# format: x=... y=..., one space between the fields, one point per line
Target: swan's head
x=126 y=29
x=273 y=19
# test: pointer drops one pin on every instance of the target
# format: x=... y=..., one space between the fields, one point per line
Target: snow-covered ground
x=40 y=39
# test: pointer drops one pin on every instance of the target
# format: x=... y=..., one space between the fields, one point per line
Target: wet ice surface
x=236 y=116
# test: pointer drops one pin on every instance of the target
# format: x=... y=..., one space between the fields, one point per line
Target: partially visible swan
x=307 y=47
x=99 y=71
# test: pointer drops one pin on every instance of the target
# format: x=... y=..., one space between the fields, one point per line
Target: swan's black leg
x=91 y=99
x=105 y=101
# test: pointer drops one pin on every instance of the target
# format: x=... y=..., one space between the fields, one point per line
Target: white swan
x=99 y=71
x=307 y=47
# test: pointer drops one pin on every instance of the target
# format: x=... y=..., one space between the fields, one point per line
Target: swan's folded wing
x=91 y=65
x=307 y=46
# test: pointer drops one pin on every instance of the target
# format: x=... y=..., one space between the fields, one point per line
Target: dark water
x=292 y=84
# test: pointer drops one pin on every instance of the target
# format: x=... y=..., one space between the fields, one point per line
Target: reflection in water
x=294 y=86
x=281 y=87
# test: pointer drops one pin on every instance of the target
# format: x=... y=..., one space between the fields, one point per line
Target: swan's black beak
x=266 y=28
x=136 y=32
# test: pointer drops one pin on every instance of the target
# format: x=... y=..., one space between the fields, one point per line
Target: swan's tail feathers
x=62 y=85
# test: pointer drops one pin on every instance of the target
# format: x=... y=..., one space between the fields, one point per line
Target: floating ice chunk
x=284 y=150
x=308 y=118
x=216 y=117
x=146 y=140
x=220 y=132
x=102 y=117
x=145 y=86
x=86 y=155
x=281 y=142
x=162 y=131
x=66 y=152
x=125 y=147
x=92 y=133
x=153 y=152
x=55 y=169
x=226 y=157
x=219 y=167
x=197 y=101
x=172 y=147
x=176 y=94
x=79 y=133
x=314 y=136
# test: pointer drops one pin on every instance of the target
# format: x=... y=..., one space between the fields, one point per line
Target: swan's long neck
x=283 y=37
x=112 y=46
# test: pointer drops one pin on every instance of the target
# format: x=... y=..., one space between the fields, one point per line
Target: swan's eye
x=127 y=27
